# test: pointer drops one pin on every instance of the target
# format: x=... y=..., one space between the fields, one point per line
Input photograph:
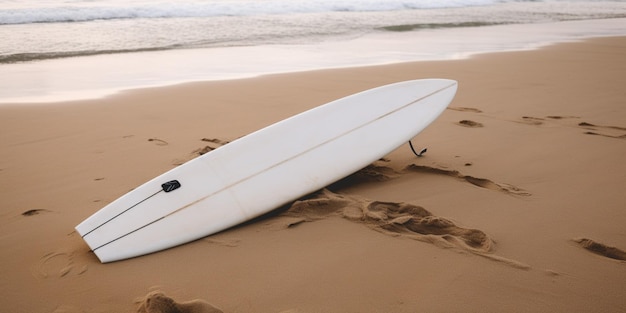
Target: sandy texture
x=518 y=205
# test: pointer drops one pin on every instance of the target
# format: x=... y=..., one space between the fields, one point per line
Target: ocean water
x=54 y=50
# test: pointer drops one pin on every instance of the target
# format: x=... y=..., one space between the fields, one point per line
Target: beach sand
x=518 y=205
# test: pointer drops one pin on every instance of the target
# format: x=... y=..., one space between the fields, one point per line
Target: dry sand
x=518 y=206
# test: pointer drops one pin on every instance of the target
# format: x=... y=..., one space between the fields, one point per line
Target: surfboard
x=265 y=169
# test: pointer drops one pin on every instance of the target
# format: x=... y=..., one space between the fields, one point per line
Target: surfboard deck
x=265 y=169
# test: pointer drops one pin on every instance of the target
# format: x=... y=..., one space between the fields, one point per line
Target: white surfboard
x=264 y=170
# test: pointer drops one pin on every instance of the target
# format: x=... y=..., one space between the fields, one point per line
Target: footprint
x=206 y=149
x=216 y=143
x=468 y=123
x=57 y=265
x=531 y=120
x=605 y=135
x=216 y=140
x=476 y=181
x=585 y=124
x=34 y=212
x=558 y=117
x=159 y=142
x=615 y=132
x=607 y=131
x=601 y=249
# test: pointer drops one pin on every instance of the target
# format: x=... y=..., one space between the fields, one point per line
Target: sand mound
x=399 y=220
x=396 y=219
x=158 y=302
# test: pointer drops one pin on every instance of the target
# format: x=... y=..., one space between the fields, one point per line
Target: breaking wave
x=83 y=11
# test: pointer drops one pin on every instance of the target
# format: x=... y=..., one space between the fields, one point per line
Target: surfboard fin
x=415 y=152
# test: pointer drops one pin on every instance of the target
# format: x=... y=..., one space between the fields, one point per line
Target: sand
x=518 y=205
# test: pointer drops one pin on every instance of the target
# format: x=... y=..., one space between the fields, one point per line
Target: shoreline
x=529 y=154
x=100 y=76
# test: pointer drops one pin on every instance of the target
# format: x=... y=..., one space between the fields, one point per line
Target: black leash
x=415 y=152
